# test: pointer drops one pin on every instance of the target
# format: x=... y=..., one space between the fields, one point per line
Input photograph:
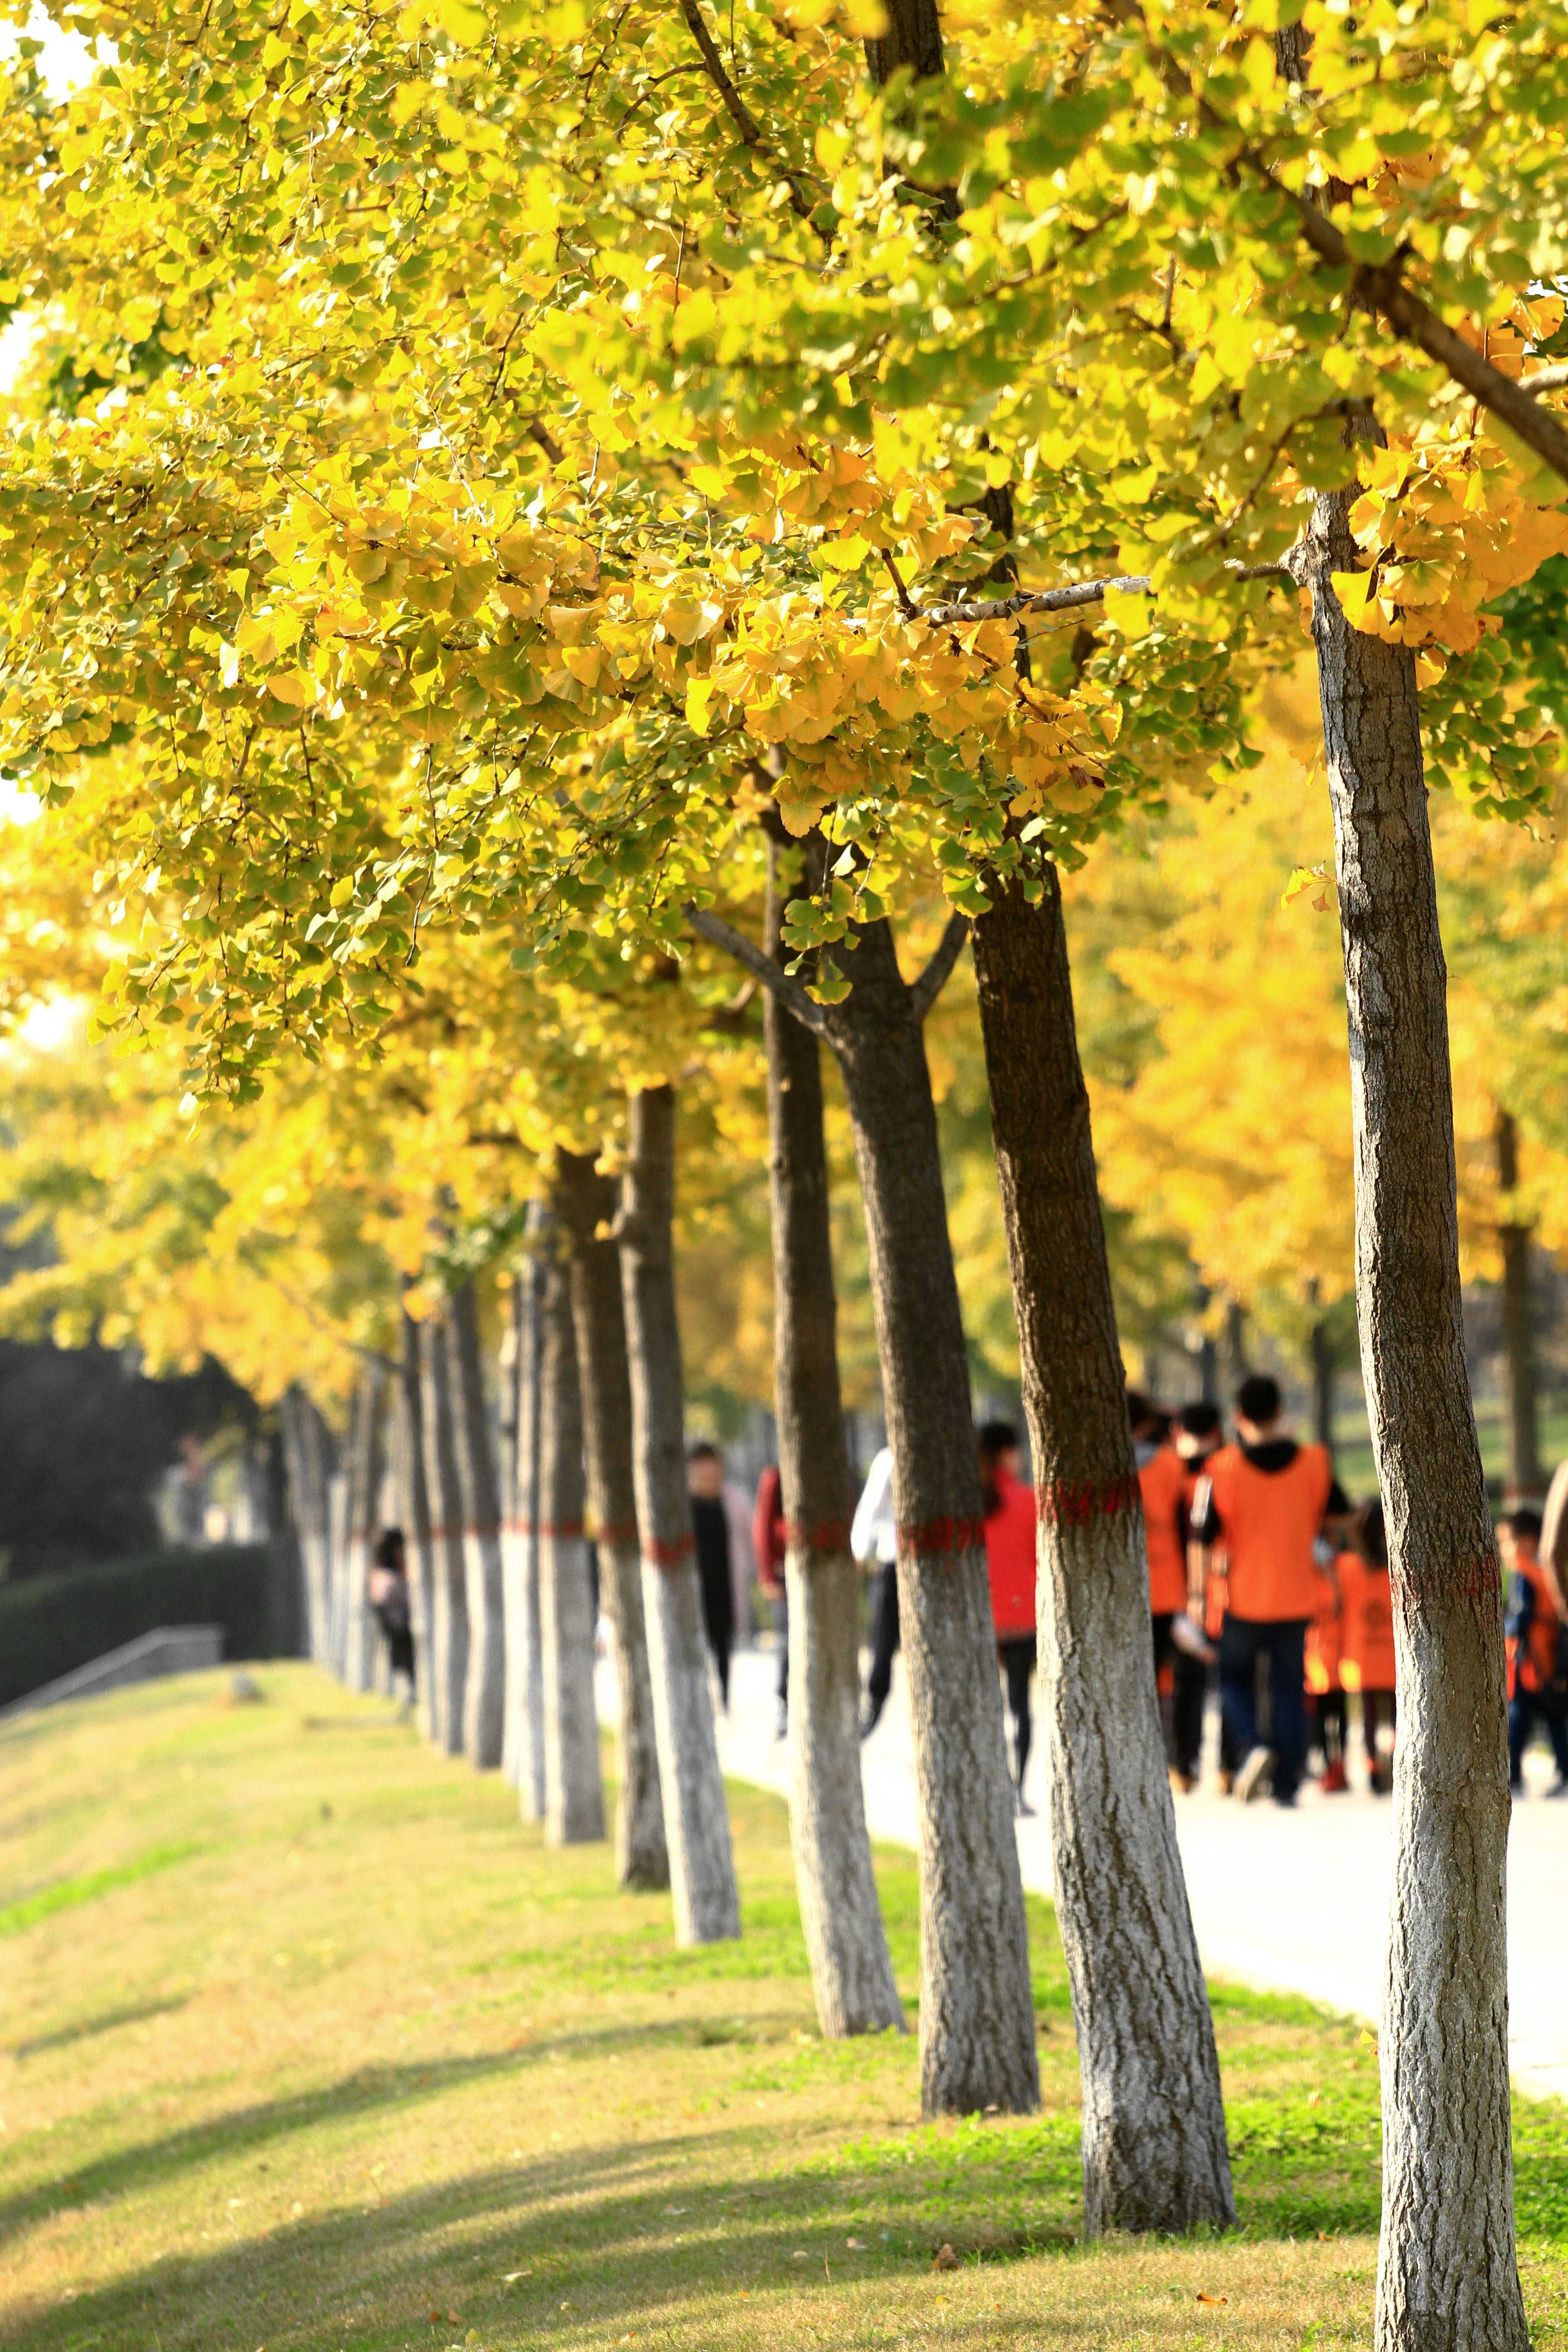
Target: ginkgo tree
x=661 y=320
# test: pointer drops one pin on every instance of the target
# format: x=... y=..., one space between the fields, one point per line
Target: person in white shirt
x=873 y=1540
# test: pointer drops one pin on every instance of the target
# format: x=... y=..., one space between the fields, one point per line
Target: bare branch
x=785 y=985
x=545 y=440
x=1547 y=379
x=735 y=106
x=1067 y=600
x=924 y=991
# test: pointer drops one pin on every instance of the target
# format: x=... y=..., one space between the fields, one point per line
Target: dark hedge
x=49 y=1624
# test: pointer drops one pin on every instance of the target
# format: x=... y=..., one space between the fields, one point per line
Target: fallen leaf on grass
x=856 y=2245
x=800 y=2255
x=945 y=2259
x=510 y=2278
x=1214 y=2298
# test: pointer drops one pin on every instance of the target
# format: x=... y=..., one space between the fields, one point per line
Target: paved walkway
x=1292 y=1902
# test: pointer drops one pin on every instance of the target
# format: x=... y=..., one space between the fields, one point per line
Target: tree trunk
x=414 y=1509
x=1323 y=1386
x=285 y=1557
x=360 y=1644
x=1153 y=2120
x=587 y=1203
x=976 y=2016
x=1525 y=1482
x=449 y=1607
x=574 y=1794
x=484 y=1711
x=1237 y=1366
x=1447 y=2276
x=851 y=1973
x=696 y=1824
x=308 y=1450
x=515 y=1515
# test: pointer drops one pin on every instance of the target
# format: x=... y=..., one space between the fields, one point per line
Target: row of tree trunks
x=523 y=1758
x=1154 y=2153
x=1447 y=2273
x=851 y=1973
x=448 y=1665
x=359 y=1639
x=586 y=1203
x=696 y=1824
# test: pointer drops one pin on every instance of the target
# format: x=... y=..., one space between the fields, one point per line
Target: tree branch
x=1067 y=600
x=735 y=106
x=785 y=985
x=924 y=991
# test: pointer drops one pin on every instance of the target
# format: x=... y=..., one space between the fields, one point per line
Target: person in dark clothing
x=388 y=1595
x=710 y=1530
x=1196 y=1433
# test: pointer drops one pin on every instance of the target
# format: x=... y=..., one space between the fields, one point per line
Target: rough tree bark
x=1154 y=2121
x=586 y=1203
x=483 y=1713
x=414 y=1510
x=851 y=1973
x=1323 y=1386
x=1448 y=2274
x=977 y=2018
x=574 y=1794
x=361 y=1635
x=696 y=1824
x=449 y=1613
x=308 y=1450
x=1525 y=1482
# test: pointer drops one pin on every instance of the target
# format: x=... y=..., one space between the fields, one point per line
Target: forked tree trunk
x=414 y=1509
x=307 y=1451
x=851 y=1973
x=484 y=1712
x=1154 y=2121
x=366 y=1465
x=587 y=1203
x=573 y=1793
x=1524 y=1479
x=1447 y=2275
x=976 y=2016
x=449 y=1600
x=696 y=1824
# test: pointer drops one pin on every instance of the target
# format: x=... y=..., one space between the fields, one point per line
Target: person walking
x=386 y=1590
x=873 y=1540
x=769 y=1546
x=710 y=1532
x=1010 y=1556
x=1268 y=1496
x=1163 y=1485
x=1367 y=1663
x=1537 y=1650
x=1197 y=1434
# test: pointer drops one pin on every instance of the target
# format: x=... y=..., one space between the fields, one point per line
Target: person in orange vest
x=1537 y=1650
x=1198 y=1434
x=770 y=1546
x=1163 y=1484
x=1010 y=1554
x=1325 y=1684
x=1367 y=1663
x=1267 y=1498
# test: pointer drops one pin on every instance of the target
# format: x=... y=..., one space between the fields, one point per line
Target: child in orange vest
x=1325 y=1644
x=1367 y=1666
x=1537 y=1665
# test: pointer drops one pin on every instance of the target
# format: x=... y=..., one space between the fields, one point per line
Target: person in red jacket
x=1010 y=1554
x=1163 y=1484
x=1537 y=1662
x=769 y=1546
x=1268 y=1499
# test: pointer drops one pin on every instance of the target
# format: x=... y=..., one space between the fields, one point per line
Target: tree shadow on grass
x=134 y=2012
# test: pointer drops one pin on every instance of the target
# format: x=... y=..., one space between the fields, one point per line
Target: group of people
x=1264 y=1578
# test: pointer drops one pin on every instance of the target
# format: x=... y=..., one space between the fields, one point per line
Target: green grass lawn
x=311 y=2044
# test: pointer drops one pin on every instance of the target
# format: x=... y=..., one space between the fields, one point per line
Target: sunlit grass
x=359 y=2063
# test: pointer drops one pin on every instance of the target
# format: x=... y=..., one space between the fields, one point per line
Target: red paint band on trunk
x=1477 y=1579
x=567 y=1530
x=624 y=1531
x=1077 y=1504
x=669 y=1555
x=828 y=1535
x=942 y=1537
